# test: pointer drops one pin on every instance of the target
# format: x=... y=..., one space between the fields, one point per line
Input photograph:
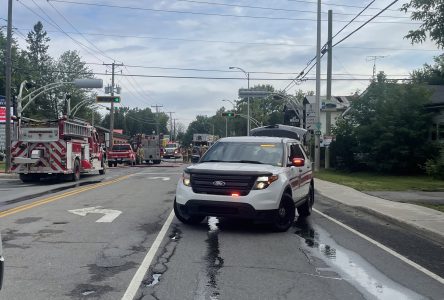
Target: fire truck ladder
x=73 y=129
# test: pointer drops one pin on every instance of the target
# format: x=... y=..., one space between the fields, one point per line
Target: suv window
x=295 y=150
x=250 y=152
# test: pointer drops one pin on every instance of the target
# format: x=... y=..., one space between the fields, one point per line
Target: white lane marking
x=394 y=253
x=163 y=178
x=109 y=214
x=140 y=274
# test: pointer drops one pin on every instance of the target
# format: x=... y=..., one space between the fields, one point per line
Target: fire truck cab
x=63 y=147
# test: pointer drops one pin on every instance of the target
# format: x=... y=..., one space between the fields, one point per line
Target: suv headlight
x=186 y=179
x=262 y=182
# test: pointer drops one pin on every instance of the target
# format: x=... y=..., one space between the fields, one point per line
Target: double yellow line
x=58 y=197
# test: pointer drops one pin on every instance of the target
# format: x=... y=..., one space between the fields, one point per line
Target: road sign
x=317 y=132
x=253 y=93
x=327 y=140
x=108 y=99
x=109 y=214
x=2 y=114
x=318 y=125
x=2 y=100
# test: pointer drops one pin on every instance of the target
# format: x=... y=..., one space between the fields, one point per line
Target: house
x=337 y=106
x=436 y=106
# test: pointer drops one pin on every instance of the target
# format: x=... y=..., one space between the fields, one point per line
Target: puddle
x=213 y=259
x=156 y=278
x=52 y=191
x=88 y=293
x=352 y=267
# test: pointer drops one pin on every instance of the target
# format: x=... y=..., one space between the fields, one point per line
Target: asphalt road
x=54 y=252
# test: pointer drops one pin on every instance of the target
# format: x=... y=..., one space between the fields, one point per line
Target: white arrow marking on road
x=109 y=214
x=163 y=178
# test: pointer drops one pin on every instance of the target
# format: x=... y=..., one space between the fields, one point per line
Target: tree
x=430 y=74
x=40 y=70
x=431 y=14
x=387 y=128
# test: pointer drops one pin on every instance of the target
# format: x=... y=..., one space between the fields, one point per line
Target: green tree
x=40 y=70
x=388 y=128
x=431 y=14
x=430 y=74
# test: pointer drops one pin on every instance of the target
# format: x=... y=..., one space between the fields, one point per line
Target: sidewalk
x=419 y=217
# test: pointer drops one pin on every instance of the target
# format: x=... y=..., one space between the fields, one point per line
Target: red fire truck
x=63 y=147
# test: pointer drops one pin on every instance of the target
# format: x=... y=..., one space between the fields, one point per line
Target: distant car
x=260 y=178
x=2 y=262
x=121 y=153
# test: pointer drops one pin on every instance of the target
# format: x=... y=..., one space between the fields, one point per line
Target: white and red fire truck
x=64 y=147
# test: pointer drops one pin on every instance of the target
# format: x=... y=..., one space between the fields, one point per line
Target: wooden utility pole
x=111 y=114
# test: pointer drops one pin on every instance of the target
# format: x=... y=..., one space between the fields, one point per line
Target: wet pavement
x=54 y=254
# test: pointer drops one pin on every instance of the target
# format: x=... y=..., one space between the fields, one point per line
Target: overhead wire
x=337 y=5
x=277 y=9
x=280 y=18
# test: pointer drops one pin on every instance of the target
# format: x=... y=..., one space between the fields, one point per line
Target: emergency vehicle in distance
x=61 y=148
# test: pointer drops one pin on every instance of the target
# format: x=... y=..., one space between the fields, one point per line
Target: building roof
x=342 y=102
x=437 y=94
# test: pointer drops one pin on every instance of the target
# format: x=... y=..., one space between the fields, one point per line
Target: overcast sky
x=193 y=35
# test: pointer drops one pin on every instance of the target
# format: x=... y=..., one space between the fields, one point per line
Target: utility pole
x=374 y=58
x=318 y=89
x=329 y=71
x=111 y=114
x=174 y=128
x=8 y=88
x=171 y=122
x=157 y=117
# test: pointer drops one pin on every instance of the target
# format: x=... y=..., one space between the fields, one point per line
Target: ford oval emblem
x=219 y=183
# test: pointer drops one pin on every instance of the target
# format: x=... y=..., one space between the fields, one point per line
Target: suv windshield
x=169 y=146
x=259 y=153
x=121 y=148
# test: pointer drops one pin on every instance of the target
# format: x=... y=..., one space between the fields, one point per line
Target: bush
x=435 y=167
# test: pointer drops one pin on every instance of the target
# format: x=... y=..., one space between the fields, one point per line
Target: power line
x=338 y=5
x=84 y=37
x=351 y=21
x=368 y=21
x=204 y=13
x=57 y=27
x=233 y=42
x=278 y=9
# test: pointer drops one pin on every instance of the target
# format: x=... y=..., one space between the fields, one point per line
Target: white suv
x=261 y=178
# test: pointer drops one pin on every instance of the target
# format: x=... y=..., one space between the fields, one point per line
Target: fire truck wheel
x=110 y=164
x=76 y=169
x=115 y=164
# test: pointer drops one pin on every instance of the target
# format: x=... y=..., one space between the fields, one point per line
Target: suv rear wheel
x=285 y=215
x=186 y=218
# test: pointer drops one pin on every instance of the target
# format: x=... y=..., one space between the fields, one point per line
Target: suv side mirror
x=298 y=162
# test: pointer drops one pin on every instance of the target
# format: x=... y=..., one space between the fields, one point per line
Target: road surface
x=92 y=240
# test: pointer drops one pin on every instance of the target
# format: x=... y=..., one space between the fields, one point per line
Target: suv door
x=300 y=188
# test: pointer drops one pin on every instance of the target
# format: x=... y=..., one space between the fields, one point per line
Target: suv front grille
x=207 y=184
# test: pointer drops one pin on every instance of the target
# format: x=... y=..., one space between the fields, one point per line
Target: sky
x=206 y=37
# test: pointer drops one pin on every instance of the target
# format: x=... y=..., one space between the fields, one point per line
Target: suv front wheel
x=184 y=217
x=285 y=215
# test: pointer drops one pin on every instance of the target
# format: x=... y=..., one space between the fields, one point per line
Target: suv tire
x=285 y=215
x=305 y=209
x=185 y=217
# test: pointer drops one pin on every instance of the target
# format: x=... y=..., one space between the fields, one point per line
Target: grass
x=364 y=181
x=439 y=207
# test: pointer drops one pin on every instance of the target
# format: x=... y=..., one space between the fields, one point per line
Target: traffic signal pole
x=111 y=114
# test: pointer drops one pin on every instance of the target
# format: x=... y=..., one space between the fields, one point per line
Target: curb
x=418 y=230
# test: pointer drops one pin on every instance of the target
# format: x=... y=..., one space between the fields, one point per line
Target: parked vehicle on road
x=172 y=150
x=121 y=153
x=151 y=147
x=55 y=148
x=260 y=178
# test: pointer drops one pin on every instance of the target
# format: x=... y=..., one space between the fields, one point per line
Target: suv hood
x=234 y=167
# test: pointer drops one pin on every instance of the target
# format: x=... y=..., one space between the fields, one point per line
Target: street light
x=247 y=74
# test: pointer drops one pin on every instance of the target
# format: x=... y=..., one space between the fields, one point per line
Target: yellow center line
x=58 y=197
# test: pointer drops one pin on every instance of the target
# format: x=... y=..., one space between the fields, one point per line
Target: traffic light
x=229 y=114
x=108 y=99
